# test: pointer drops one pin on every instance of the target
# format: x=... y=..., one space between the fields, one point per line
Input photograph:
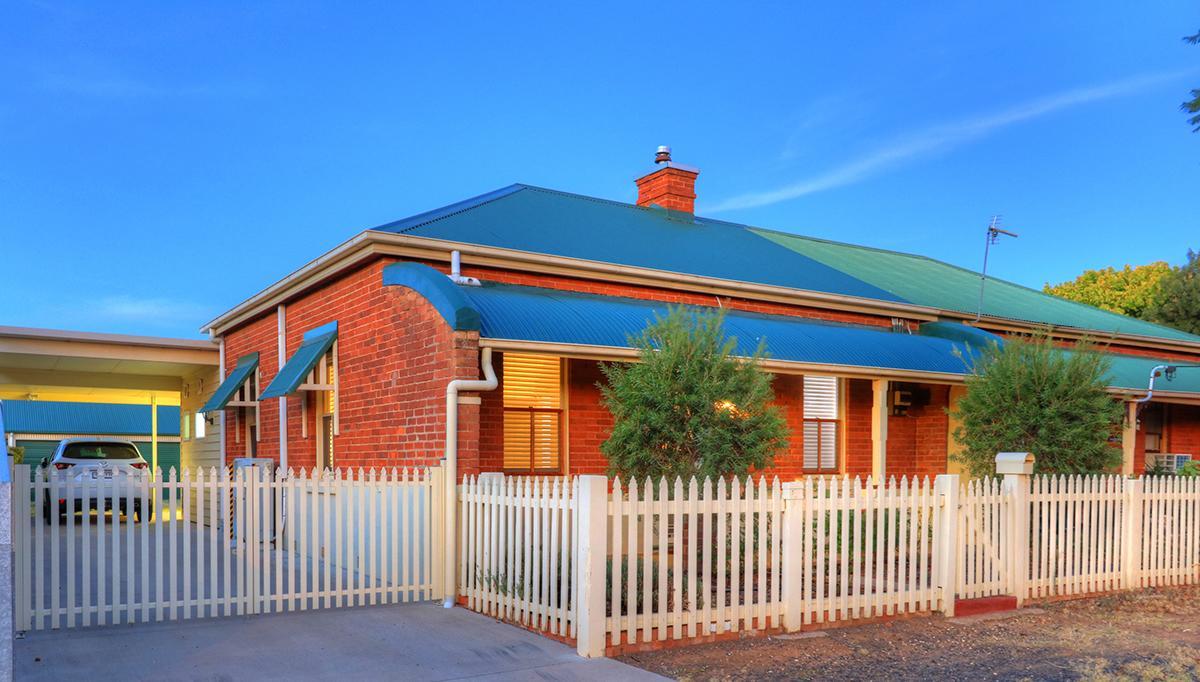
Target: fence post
x=1131 y=535
x=1014 y=489
x=592 y=517
x=792 y=564
x=946 y=549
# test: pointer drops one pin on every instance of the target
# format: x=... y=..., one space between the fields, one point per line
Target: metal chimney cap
x=662 y=154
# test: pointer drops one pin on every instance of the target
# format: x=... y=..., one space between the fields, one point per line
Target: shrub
x=1031 y=396
x=690 y=407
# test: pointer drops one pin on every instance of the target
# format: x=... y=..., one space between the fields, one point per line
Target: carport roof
x=48 y=416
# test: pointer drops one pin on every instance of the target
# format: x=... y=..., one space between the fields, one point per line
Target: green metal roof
x=314 y=346
x=537 y=220
x=546 y=221
x=245 y=366
x=932 y=283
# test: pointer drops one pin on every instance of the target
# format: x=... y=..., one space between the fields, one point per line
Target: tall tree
x=1129 y=291
x=1192 y=106
x=1178 y=305
x=690 y=407
x=1031 y=396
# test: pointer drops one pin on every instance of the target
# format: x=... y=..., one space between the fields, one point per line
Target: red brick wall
x=859 y=397
x=590 y=422
x=395 y=355
x=1183 y=430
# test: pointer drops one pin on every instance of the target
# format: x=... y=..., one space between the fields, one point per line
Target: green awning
x=316 y=343
x=225 y=392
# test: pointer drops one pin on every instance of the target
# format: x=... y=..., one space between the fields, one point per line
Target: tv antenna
x=993 y=236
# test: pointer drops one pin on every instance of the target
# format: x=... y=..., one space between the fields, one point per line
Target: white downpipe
x=488 y=383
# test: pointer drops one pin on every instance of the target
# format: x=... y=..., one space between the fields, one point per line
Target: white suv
x=88 y=461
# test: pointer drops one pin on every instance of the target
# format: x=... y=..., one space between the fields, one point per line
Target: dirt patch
x=1150 y=635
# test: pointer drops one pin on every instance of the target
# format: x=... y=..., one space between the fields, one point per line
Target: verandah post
x=945 y=548
x=591 y=509
x=792 y=564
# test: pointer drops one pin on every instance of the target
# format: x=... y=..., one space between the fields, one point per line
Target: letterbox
x=1015 y=463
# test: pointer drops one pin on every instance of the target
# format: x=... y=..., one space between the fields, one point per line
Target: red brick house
x=347 y=360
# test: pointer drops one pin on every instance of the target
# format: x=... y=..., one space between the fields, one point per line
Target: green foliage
x=1192 y=106
x=1030 y=396
x=1188 y=469
x=17 y=452
x=1179 y=303
x=1129 y=291
x=690 y=407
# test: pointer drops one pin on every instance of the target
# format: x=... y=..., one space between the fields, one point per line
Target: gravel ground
x=1149 y=635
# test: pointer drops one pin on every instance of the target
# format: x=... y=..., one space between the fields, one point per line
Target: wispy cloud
x=937 y=139
x=125 y=307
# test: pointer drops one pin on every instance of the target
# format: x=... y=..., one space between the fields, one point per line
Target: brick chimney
x=672 y=186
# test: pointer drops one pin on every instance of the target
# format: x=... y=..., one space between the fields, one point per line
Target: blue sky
x=160 y=162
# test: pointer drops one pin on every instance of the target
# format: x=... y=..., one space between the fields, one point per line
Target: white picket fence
x=1092 y=534
x=517 y=550
x=615 y=564
x=221 y=544
x=692 y=561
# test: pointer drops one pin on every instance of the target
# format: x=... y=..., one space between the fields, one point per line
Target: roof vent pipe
x=456 y=275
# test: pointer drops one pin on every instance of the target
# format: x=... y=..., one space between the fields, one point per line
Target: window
x=186 y=427
x=532 y=413
x=201 y=425
x=821 y=401
x=327 y=407
x=1152 y=426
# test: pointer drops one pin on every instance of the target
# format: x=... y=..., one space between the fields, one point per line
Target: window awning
x=233 y=383
x=315 y=345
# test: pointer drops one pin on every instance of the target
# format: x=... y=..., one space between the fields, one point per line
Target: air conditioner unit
x=1168 y=461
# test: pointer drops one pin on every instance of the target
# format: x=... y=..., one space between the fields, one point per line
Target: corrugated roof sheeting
x=47 y=416
x=935 y=284
x=534 y=314
x=547 y=221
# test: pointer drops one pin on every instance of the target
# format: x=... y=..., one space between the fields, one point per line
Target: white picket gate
x=867 y=548
x=221 y=544
x=984 y=537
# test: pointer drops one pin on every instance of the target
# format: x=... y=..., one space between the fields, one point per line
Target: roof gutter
x=372 y=243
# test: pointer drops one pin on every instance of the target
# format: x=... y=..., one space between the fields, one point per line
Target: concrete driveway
x=406 y=642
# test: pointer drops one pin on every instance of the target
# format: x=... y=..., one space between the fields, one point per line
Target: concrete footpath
x=406 y=642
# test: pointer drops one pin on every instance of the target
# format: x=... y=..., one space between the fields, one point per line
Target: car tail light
x=138 y=465
x=63 y=465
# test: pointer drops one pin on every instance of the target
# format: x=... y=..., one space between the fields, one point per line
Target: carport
x=115 y=369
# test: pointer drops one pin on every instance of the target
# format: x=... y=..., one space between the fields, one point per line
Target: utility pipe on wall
x=488 y=383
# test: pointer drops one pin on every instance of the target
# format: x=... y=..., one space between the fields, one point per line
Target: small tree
x=1031 y=396
x=1178 y=302
x=690 y=407
x=1129 y=291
